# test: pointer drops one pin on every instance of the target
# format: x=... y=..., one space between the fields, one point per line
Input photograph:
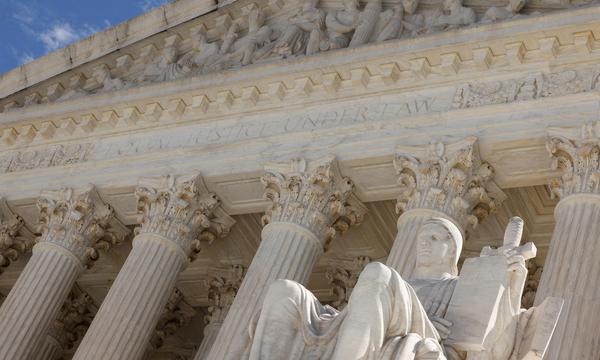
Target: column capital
x=575 y=151
x=177 y=314
x=15 y=237
x=182 y=210
x=79 y=221
x=312 y=194
x=222 y=285
x=450 y=178
x=342 y=275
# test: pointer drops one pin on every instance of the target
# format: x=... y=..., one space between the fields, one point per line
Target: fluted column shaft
x=127 y=317
x=572 y=272
x=211 y=331
x=402 y=256
x=50 y=349
x=287 y=251
x=35 y=300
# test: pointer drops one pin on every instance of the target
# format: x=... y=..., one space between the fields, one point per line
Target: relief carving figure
x=413 y=23
x=390 y=25
x=202 y=55
x=341 y=23
x=106 y=81
x=503 y=13
x=305 y=32
x=166 y=68
x=453 y=16
x=367 y=23
x=388 y=317
x=258 y=36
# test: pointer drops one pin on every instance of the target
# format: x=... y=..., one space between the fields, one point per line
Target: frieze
x=265 y=33
x=317 y=119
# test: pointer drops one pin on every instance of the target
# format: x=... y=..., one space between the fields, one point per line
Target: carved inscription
x=55 y=155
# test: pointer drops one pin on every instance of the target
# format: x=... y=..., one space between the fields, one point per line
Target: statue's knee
x=284 y=289
x=374 y=272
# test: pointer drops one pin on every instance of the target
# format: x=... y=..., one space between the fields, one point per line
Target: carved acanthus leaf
x=312 y=194
x=575 y=151
x=177 y=314
x=74 y=319
x=182 y=210
x=448 y=178
x=80 y=222
x=15 y=238
x=343 y=277
x=222 y=288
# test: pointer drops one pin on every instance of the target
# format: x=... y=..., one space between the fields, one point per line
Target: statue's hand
x=442 y=326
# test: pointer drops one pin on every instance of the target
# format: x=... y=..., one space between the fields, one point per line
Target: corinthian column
x=222 y=288
x=177 y=214
x=75 y=225
x=310 y=204
x=439 y=180
x=572 y=268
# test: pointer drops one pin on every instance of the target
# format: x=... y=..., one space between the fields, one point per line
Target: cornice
x=436 y=60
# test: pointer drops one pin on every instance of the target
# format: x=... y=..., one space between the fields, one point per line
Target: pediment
x=196 y=38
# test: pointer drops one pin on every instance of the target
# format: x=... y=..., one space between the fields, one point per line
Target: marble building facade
x=159 y=179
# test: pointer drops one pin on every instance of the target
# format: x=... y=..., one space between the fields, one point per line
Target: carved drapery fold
x=310 y=203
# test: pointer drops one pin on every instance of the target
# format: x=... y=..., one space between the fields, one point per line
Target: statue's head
x=451 y=4
x=439 y=243
x=351 y=4
x=517 y=5
x=410 y=6
x=101 y=73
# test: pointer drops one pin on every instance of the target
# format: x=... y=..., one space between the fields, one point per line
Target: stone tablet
x=474 y=304
x=539 y=329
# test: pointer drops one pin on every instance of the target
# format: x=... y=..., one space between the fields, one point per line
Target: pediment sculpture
x=434 y=315
x=262 y=36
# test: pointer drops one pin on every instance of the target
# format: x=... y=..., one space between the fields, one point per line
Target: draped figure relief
x=389 y=317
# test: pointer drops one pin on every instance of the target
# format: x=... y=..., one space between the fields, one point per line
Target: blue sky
x=31 y=28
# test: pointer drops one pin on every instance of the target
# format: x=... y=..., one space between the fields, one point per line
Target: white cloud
x=58 y=36
x=148 y=5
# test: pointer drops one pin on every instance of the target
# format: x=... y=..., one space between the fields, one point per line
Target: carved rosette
x=575 y=151
x=177 y=314
x=343 y=277
x=74 y=319
x=222 y=288
x=313 y=195
x=450 y=178
x=182 y=210
x=15 y=238
x=79 y=222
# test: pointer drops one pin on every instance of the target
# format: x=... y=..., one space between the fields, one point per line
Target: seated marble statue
x=106 y=81
x=341 y=24
x=304 y=33
x=387 y=317
x=503 y=13
x=258 y=36
x=202 y=55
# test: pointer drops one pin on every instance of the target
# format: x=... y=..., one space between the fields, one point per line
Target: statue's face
x=410 y=6
x=435 y=246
